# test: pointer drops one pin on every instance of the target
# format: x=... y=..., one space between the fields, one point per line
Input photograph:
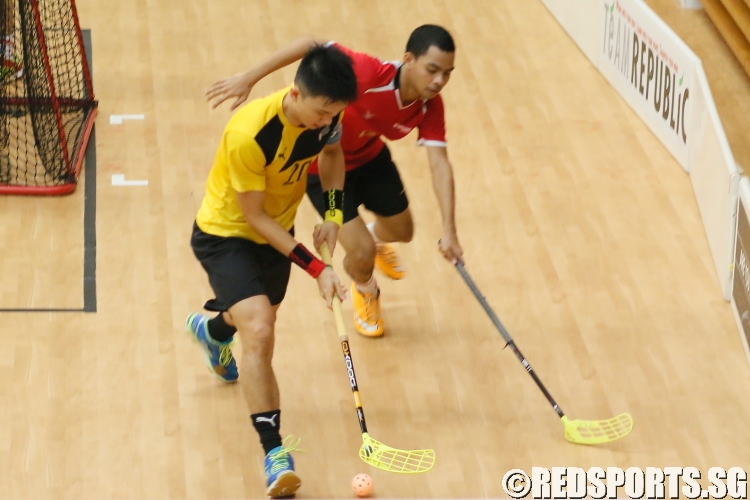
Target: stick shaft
x=506 y=336
x=348 y=361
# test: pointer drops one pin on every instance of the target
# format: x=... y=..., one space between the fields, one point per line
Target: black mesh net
x=46 y=97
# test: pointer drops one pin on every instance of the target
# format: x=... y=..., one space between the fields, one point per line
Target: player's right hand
x=238 y=86
x=329 y=285
x=327 y=232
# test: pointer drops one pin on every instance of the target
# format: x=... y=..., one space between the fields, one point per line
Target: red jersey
x=378 y=111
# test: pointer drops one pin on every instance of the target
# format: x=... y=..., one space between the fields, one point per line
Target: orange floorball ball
x=362 y=485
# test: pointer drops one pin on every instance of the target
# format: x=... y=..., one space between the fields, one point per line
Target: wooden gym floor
x=578 y=226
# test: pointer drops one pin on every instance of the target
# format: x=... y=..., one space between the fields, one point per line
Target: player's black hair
x=429 y=35
x=327 y=72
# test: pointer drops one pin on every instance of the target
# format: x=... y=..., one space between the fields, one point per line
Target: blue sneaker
x=280 y=476
x=218 y=354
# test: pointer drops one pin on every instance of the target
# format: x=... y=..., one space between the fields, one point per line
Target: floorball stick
x=372 y=451
x=576 y=431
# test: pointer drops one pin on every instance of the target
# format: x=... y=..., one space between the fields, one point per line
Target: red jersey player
x=393 y=98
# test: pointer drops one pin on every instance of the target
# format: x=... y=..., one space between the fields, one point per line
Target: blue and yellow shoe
x=218 y=354
x=281 y=479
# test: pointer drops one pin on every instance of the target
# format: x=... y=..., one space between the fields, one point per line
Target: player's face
x=430 y=72
x=316 y=112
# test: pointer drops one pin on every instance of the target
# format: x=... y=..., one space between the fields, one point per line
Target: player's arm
x=442 y=183
x=252 y=203
x=331 y=167
x=241 y=84
x=332 y=171
x=246 y=164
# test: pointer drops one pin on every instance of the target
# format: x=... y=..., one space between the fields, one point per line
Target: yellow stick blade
x=390 y=459
x=597 y=431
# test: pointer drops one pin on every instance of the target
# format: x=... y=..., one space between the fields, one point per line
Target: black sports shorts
x=376 y=185
x=238 y=268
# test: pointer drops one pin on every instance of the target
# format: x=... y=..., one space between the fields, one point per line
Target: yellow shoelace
x=225 y=354
x=371 y=313
x=278 y=459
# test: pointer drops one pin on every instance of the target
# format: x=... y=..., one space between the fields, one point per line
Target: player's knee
x=408 y=232
x=257 y=335
x=404 y=232
x=363 y=253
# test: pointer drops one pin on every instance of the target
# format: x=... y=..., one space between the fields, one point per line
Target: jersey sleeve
x=432 y=128
x=245 y=162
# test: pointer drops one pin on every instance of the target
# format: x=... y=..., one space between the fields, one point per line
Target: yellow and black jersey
x=261 y=151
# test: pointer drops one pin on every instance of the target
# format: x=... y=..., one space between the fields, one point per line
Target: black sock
x=219 y=330
x=267 y=424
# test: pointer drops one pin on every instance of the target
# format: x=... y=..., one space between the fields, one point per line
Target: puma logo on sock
x=266 y=419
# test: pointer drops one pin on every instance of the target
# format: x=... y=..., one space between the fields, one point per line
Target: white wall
x=582 y=21
x=664 y=82
x=741 y=288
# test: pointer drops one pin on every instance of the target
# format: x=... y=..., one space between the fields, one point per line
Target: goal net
x=47 y=105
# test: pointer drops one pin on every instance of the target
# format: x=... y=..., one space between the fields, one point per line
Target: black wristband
x=334 y=200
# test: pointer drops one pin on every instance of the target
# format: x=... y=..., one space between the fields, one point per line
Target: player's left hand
x=238 y=86
x=328 y=232
x=450 y=248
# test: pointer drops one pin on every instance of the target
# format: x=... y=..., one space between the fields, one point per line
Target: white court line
x=117 y=119
x=119 y=180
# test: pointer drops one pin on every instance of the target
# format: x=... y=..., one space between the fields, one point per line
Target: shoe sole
x=285 y=485
x=206 y=356
x=367 y=333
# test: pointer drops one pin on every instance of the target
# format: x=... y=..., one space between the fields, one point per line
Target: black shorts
x=376 y=185
x=239 y=268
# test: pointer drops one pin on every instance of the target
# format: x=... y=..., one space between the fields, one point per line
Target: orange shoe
x=388 y=262
x=367 y=318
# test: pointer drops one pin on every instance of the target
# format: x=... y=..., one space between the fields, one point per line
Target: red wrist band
x=307 y=261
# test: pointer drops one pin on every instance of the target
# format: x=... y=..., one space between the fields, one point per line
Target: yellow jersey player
x=243 y=234
x=395 y=97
